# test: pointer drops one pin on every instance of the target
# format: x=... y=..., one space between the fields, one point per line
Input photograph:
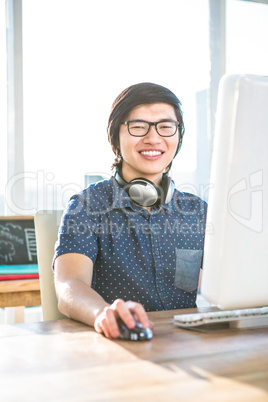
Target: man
x=132 y=243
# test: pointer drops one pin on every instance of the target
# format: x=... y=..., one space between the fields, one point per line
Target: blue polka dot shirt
x=152 y=258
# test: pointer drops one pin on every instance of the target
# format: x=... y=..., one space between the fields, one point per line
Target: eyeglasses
x=164 y=128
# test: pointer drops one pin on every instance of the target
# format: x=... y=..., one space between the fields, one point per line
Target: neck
x=128 y=176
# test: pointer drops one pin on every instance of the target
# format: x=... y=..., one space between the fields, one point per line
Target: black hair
x=135 y=95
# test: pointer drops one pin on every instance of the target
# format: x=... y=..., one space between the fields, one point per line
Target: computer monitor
x=235 y=262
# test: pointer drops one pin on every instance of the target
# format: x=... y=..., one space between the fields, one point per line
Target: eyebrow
x=158 y=121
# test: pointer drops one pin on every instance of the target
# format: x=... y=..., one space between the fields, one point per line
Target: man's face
x=147 y=156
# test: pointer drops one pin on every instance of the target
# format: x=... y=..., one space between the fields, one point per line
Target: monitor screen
x=235 y=262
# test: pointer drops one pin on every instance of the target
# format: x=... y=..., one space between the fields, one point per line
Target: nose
x=152 y=136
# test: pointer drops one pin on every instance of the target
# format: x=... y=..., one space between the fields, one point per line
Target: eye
x=166 y=125
x=137 y=125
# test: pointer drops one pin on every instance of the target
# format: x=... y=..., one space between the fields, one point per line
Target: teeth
x=151 y=153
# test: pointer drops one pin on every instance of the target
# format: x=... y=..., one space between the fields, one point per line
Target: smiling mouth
x=151 y=153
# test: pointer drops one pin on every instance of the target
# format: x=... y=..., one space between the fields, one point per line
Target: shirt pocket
x=188 y=264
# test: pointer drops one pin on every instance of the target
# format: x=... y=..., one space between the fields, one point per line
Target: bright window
x=3 y=110
x=78 y=56
x=246 y=37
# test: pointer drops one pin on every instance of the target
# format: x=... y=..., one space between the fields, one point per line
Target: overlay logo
x=255 y=205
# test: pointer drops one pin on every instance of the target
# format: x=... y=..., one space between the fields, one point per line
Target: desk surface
x=67 y=361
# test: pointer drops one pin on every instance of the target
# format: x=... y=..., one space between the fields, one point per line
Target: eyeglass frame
x=150 y=125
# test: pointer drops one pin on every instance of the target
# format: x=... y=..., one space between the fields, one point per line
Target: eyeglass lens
x=163 y=128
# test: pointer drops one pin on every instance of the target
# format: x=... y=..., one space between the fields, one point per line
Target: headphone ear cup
x=167 y=190
x=143 y=192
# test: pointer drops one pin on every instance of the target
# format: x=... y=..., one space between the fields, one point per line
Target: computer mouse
x=138 y=333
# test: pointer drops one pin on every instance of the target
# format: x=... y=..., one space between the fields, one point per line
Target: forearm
x=79 y=301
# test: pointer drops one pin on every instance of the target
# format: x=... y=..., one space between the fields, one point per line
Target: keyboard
x=242 y=318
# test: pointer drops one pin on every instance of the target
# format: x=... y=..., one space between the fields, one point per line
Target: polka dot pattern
x=135 y=253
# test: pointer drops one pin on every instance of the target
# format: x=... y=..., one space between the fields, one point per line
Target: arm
x=77 y=300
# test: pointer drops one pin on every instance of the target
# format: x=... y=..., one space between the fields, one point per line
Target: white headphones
x=145 y=193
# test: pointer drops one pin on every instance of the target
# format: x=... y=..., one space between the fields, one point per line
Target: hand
x=129 y=312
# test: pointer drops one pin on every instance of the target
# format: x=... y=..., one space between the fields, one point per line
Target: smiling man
x=130 y=247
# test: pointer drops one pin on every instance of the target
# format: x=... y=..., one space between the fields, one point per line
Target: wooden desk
x=25 y=292
x=68 y=361
x=19 y=294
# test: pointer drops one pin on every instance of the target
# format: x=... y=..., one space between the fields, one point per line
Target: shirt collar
x=120 y=196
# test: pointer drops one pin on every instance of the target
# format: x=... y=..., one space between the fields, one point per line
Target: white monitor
x=235 y=263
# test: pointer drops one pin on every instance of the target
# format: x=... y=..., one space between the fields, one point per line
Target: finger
x=106 y=323
x=121 y=310
x=105 y=329
x=138 y=310
x=111 y=322
x=100 y=325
